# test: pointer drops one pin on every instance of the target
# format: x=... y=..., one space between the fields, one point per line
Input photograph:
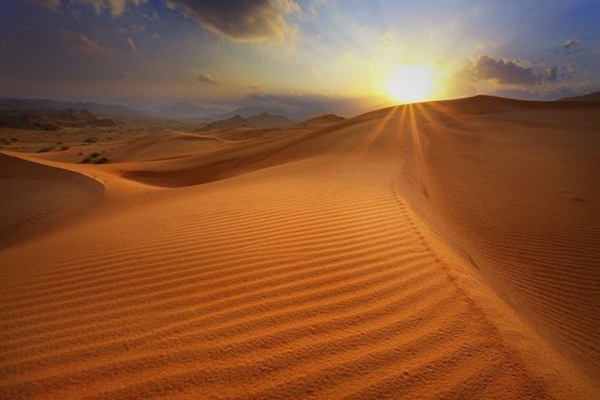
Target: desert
x=310 y=262
x=423 y=248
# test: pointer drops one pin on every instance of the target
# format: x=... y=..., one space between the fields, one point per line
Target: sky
x=343 y=55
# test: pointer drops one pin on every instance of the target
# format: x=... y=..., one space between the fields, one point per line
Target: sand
x=439 y=250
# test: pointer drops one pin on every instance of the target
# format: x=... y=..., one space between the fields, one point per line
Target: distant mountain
x=234 y=122
x=43 y=104
x=246 y=112
x=263 y=120
x=594 y=97
x=51 y=120
x=266 y=120
x=322 y=121
x=184 y=110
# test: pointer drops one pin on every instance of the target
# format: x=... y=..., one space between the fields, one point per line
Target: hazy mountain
x=51 y=120
x=234 y=122
x=595 y=96
x=263 y=120
x=246 y=112
x=322 y=121
x=185 y=110
x=43 y=104
x=266 y=120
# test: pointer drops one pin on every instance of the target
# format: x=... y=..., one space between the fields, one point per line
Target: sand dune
x=167 y=145
x=443 y=250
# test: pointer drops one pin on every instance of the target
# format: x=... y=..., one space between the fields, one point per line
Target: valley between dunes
x=446 y=250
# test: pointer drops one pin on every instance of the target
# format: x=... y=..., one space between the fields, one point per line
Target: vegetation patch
x=94 y=158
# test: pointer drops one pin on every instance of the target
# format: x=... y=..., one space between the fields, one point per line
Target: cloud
x=504 y=72
x=83 y=43
x=52 y=4
x=125 y=76
x=571 y=44
x=131 y=44
x=241 y=20
x=126 y=35
x=115 y=7
x=207 y=79
x=551 y=74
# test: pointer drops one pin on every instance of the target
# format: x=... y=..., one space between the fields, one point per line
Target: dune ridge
x=329 y=263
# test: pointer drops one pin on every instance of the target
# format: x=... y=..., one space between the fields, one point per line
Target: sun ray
x=373 y=134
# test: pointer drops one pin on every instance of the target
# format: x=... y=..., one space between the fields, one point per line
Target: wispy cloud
x=131 y=44
x=83 y=43
x=114 y=7
x=571 y=44
x=207 y=79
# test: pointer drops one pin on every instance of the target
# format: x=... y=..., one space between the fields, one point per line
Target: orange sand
x=440 y=250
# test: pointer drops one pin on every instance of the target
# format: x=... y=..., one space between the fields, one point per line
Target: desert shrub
x=90 y=140
x=64 y=147
x=94 y=158
x=44 y=149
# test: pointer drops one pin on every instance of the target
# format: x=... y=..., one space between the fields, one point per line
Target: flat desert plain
x=446 y=250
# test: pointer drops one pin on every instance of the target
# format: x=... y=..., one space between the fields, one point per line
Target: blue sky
x=237 y=52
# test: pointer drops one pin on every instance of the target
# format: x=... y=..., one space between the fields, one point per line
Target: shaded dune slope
x=309 y=274
x=35 y=195
x=220 y=163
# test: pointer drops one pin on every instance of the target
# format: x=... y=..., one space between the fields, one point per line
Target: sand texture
x=446 y=250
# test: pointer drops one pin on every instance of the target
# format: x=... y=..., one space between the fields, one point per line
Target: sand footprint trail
x=310 y=279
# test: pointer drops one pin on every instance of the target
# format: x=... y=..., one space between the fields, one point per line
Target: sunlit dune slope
x=167 y=145
x=516 y=191
x=424 y=251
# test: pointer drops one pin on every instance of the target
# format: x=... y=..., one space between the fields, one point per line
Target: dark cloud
x=551 y=74
x=207 y=79
x=82 y=43
x=571 y=44
x=504 y=72
x=241 y=20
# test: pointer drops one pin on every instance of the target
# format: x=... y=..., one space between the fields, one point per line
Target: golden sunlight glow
x=411 y=83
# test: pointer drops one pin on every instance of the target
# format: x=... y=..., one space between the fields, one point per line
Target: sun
x=411 y=83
